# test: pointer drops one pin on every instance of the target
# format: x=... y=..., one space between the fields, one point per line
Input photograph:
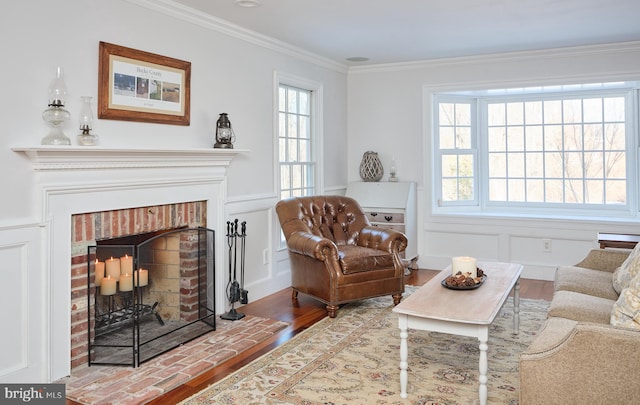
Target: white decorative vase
x=371 y=168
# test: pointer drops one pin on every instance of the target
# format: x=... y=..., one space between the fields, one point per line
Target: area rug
x=354 y=359
x=127 y=385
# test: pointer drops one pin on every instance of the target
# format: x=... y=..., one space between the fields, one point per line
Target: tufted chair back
x=339 y=219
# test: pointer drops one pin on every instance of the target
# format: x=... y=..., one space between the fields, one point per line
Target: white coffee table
x=459 y=312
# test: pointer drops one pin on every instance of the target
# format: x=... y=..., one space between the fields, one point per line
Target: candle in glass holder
x=464 y=264
x=108 y=286
x=144 y=278
x=99 y=272
x=126 y=282
x=113 y=268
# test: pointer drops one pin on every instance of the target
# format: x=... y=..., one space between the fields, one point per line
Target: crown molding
x=551 y=53
x=199 y=18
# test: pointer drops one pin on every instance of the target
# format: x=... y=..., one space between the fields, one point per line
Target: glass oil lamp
x=86 y=138
x=56 y=115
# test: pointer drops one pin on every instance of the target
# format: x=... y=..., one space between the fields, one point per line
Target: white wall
x=232 y=72
x=389 y=109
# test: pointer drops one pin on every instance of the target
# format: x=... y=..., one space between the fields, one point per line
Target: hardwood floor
x=301 y=315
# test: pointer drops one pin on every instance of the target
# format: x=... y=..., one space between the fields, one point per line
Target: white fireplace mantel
x=96 y=157
x=75 y=179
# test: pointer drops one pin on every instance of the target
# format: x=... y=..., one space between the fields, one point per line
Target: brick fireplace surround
x=87 y=228
x=73 y=181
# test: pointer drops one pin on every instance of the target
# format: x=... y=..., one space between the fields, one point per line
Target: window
x=537 y=149
x=457 y=147
x=298 y=131
x=295 y=144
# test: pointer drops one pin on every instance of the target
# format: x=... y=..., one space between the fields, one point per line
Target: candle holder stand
x=121 y=310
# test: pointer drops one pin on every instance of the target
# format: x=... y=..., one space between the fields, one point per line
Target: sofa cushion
x=585 y=281
x=581 y=307
x=626 y=310
x=356 y=259
x=628 y=269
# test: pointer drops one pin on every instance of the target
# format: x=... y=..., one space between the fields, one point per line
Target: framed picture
x=141 y=86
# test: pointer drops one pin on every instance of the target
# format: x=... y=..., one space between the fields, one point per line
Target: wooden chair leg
x=397 y=298
x=332 y=310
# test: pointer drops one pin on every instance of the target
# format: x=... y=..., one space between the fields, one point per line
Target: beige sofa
x=579 y=357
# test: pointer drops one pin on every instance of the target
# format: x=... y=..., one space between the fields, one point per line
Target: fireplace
x=140 y=183
x=111 y=234
x=149 y=293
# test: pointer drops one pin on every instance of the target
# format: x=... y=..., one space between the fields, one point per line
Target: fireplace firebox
x=150 y=295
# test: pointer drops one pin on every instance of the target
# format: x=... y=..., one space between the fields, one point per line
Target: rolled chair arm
x=308 y=244
x=382 y=239
x=604 y=259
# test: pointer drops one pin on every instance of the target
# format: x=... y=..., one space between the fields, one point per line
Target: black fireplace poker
x=235 y=291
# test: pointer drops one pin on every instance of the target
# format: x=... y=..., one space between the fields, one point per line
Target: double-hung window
x=298 y=130
x=295 y=144
x=564 y=150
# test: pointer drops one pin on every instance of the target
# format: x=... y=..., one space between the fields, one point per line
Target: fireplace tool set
x=235 y=289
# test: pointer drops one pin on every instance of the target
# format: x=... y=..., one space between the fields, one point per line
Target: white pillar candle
x=126 y=282
x=464 y=264
x=108 y=286
x=99 y=272
x=113 y=268
x=144 y=277
x=126 y=264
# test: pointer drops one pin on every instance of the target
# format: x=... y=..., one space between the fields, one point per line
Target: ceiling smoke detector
x=248 y=3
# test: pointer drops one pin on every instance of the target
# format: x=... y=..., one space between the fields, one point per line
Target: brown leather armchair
x=336 y=255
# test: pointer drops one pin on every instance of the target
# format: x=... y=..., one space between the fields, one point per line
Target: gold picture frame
x=140 y=86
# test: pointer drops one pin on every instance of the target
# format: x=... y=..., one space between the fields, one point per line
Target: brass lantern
x=224 y=133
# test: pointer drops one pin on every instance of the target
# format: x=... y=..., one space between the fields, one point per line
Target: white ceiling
x=387 y=31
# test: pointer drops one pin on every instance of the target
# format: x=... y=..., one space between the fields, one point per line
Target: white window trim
x=474 y=150
x=316 y=111
x=317 y=141
x=482 y=209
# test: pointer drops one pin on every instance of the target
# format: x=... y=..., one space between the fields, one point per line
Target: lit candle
x=464 y=264
x=108 y=286
x=126 y=282
x=113 y=268
x=99 y=272
x=126 y=264
x=144 y=277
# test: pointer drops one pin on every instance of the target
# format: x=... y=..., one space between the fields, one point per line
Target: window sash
x=456 y=151
x=295 y=147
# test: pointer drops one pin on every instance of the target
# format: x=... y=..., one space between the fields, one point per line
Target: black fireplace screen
x=147 y=298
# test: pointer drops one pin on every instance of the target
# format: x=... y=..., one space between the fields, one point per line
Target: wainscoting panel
x=262 y=274
x=539 y=250
x=22 y=299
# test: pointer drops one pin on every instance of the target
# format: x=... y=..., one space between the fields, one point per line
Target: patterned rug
x=354 y=359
